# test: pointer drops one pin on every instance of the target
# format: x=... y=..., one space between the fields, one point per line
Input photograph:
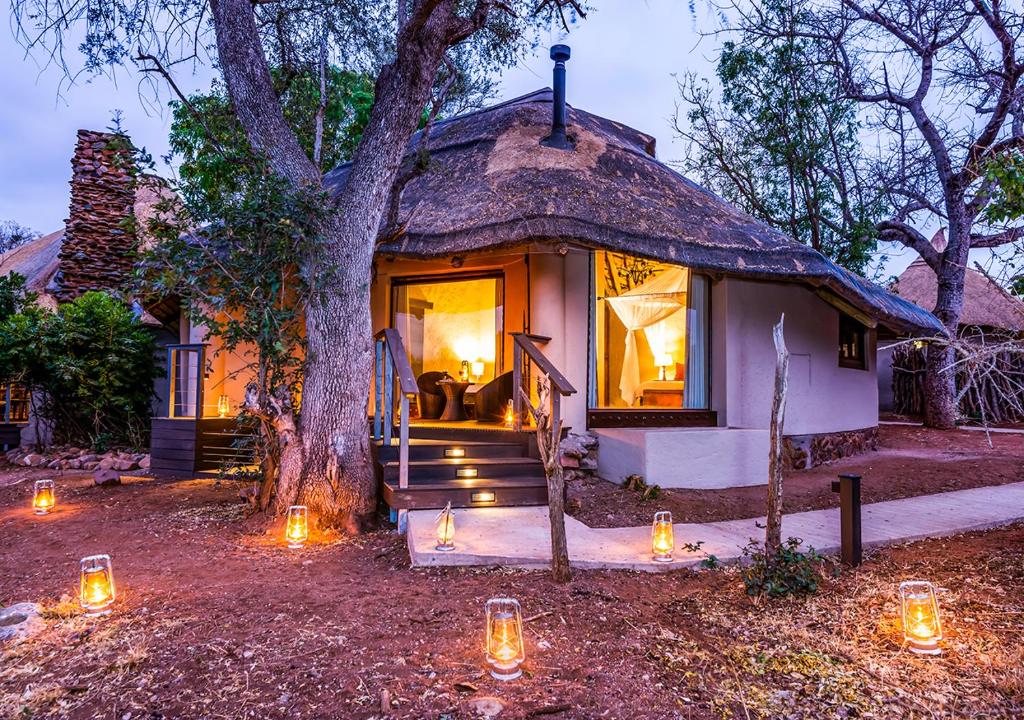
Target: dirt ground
x=217 y=619
x=910 y=461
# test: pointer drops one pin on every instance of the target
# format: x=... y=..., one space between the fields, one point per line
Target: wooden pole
x=549 y=437
x=773 y=526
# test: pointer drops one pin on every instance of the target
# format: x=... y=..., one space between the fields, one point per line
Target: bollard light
x=96 y=587
x=446 y=529
x=505 y=652
x=662 y=538
x=43 y=498
x=922 y=629
x=297 y=529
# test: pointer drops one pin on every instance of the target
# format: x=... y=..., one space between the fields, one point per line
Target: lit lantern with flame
x=662 y=538
x=96 y=593
x=505 y=653
x=297 y=531
x=43 y=499
x=223 y=406
x=510 y=415
x=446 y=529
x=922 y=629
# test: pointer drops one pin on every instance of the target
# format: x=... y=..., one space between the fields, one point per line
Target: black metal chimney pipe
x=558 y=138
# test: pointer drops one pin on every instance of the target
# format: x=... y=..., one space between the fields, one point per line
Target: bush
x=790 y=572
x=90 y=368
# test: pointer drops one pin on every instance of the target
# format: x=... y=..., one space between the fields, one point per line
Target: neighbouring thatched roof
x=985 y=303
x=492 y=184
x=38 y=262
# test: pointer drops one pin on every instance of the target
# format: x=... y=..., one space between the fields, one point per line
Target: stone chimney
x=99 y=242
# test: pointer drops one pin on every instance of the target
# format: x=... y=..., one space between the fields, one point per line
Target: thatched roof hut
x=492 y=184
x=986 y=304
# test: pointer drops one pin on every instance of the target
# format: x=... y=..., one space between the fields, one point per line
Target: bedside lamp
x=663 y=361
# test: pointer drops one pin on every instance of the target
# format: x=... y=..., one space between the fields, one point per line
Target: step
x=479 y=492
x=447 y=469
x=469 y=433
x=427 y=449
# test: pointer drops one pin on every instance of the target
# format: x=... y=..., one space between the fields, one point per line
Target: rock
x=34 y=460
x=106 y=463
x=20 y=621
x=75 y=464
x=144 y=462
x=74 y=451
x=88 y=457
x=106 y=477
x=54 y=465
x=487 y=707
x=124 y=465
x=89 y=465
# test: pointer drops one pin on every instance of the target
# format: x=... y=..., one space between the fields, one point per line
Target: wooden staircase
x=469 y=467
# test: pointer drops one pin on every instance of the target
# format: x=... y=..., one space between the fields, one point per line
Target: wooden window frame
x=846 y=324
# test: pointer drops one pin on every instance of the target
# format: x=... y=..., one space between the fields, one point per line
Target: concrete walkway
x=519 y=537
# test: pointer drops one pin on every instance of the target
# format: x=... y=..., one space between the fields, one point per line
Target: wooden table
x=454 y=393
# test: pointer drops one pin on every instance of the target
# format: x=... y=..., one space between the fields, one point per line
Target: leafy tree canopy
x=780 y=141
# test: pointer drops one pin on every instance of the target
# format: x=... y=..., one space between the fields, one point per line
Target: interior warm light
x=43 y=498
x=96 y=592
x=297 y=531
x=505 y=652
x=478 y=369
x=662 y=539
x=464 y=371
x=446 y=529
x=484 y=496
x=510 y=415
x=922 y=629
x=455 y=452
x=223 y=406
x=469 y=472
x=663 y=361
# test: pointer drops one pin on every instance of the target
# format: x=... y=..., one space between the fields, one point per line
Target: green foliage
x=1017 y=286
x=90 y=367
x=14 y=296
x=781 y=142
x=791 y=571
x=1006 y=173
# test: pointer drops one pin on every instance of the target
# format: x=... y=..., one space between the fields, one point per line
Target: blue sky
x=624 y=58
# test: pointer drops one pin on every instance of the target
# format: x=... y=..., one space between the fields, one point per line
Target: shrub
x=791 y=571
x=90 y=367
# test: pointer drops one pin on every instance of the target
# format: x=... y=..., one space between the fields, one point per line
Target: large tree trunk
x=940 y=406
x=332 y=473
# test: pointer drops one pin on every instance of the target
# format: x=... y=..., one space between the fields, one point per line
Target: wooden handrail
x=523 y=343
x=391 y=360
x=406 y=379
x=558 y=380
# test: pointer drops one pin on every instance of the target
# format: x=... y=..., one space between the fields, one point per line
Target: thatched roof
x=38 y=262
x=493 y=184
x=986 y=304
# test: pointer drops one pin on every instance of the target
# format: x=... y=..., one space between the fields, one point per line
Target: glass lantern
x=662 y=538
x=96 y=592
x=505 y=653
x=297 y=530
x=510 y=414
x=922 y=629
x=446 y=530
x=43 y=498
x=223 y=406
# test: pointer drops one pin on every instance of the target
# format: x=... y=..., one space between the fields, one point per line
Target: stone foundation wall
x=579 y=456
x=806 y=451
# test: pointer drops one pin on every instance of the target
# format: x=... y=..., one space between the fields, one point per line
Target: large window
x=451 y=325
x=649 y=335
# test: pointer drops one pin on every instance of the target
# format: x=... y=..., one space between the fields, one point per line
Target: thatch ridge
x=491 y=184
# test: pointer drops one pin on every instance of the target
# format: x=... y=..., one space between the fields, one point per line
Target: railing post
x=200 y=380
x=517 y=384
x=378 y=388
x=403 y=444
x=848 y=487
x=389 y=395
